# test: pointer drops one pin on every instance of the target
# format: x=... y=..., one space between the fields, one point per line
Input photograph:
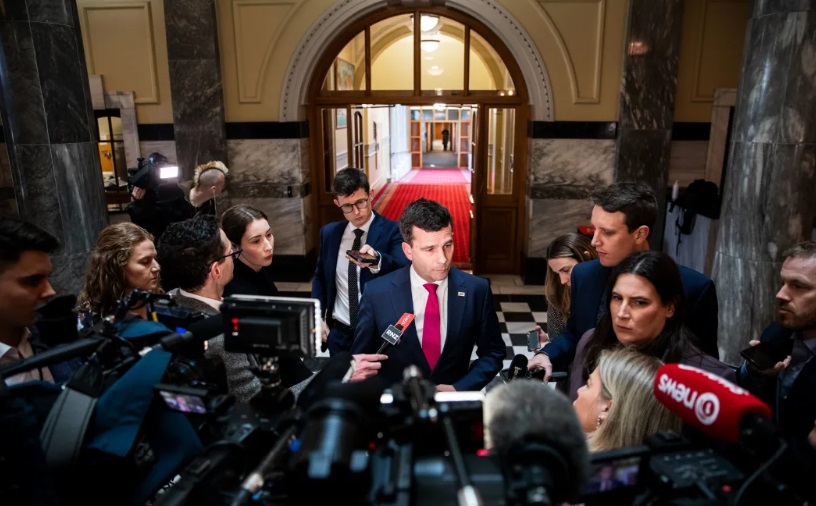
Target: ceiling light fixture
x=435 y=70
x=429 y=45
x=426 y=22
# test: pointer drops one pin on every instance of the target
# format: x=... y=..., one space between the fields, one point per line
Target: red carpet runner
x=454 y=197
x=436 y=176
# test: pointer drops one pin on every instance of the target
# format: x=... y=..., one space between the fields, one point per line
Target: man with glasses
x=339 y=280
x=198 y=257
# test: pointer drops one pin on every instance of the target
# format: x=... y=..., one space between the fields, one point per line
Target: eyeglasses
x=235 y=253
x=360 y=204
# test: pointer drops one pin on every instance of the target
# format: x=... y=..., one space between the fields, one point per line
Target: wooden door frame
x=319 y=99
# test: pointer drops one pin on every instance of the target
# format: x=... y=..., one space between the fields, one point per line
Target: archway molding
x=302 y=65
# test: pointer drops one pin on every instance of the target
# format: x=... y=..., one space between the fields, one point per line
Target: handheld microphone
x=393 y=334
x=517 y=369
x=717 y=407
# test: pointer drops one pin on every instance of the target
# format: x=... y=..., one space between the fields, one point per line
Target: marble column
x=647 y=96
x=770 y=182
x=195 y=83
x=50 y=130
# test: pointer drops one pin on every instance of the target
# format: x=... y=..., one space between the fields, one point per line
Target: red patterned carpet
x=453 y=196
x=436 y=176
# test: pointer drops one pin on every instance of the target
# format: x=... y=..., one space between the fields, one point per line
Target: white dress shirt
x=340 y=312
x=419 y=294
x=9 y=354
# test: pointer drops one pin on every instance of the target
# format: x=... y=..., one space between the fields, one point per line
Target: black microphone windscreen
x=526 y=411
x=57 y=320
x=518 y=368
x=335 y=370
x=207 y=328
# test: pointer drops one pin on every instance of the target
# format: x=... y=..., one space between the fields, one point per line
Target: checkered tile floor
x=518 y=313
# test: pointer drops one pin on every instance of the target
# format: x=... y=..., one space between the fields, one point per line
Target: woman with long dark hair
x=645 y=305
x=248 y=229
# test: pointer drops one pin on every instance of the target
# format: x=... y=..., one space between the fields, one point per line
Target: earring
x=600 y=420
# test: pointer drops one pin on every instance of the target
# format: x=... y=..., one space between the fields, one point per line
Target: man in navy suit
x=454 y=310
x=339 y=280
x=623 y=217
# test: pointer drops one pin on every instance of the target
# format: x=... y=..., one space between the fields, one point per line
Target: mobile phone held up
x=763 y=356
x=363 y=258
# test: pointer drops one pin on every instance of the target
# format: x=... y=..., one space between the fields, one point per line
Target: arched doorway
x=391 y=59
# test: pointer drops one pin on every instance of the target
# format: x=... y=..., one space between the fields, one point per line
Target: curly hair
x=187 y=250
x=635 y=414
x=105 y=281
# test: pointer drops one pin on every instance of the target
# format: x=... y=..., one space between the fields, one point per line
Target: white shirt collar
x=4 y=348
x=365 y=226
x=215 y=304
x=417 y=281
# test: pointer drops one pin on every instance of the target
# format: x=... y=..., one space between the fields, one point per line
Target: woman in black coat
x=248 y=229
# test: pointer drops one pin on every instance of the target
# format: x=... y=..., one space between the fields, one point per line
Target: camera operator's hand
x=541 y=361
x=138 y=193
x=773 y=371
x=366 y=365
x=445 y=388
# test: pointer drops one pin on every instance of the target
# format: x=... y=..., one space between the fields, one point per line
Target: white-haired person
x=617 y=407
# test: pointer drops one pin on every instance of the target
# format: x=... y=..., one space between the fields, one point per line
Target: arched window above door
x=418 y=53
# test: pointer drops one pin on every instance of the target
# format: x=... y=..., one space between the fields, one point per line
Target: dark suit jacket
x=383 y=235
x=471 y=321
x=794 y=413
x=588 y=283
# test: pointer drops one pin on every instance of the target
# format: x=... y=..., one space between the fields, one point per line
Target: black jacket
x=245 y=281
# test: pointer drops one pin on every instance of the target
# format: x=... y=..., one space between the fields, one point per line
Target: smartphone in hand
x=763 y=356
x=363 y=258
x=533 y=344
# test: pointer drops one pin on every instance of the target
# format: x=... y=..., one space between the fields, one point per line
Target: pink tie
x=431 y=335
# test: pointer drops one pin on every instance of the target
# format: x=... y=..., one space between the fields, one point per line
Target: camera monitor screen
x=614 y=473
x=271 y=325
x=185 y=403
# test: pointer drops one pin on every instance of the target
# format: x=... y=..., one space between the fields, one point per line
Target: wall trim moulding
x=303 y=60
x=253 y=96
x=595 y=96
x=144 y=6
x=699 y=35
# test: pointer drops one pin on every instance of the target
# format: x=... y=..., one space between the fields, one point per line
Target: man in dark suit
x=788 y=386
x=454 y=310
x=339 y=280
x=623 y=216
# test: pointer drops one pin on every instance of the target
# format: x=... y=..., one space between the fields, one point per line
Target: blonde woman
x=124 y=258
x=616 y=407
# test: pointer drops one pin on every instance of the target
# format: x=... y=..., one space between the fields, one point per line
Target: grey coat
x=242 y=384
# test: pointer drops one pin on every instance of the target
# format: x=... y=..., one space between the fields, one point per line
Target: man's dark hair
x=805 y=249
x=18 y=236
x=348 y=181
x=637 y=202
x=429 y=215
x=187 y=250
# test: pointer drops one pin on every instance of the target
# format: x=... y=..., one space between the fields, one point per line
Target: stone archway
x=308 y=53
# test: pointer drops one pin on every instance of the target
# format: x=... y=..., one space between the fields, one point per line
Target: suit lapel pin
x=461 y=294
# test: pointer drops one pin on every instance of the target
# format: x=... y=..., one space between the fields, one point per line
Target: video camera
x=152 y=173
